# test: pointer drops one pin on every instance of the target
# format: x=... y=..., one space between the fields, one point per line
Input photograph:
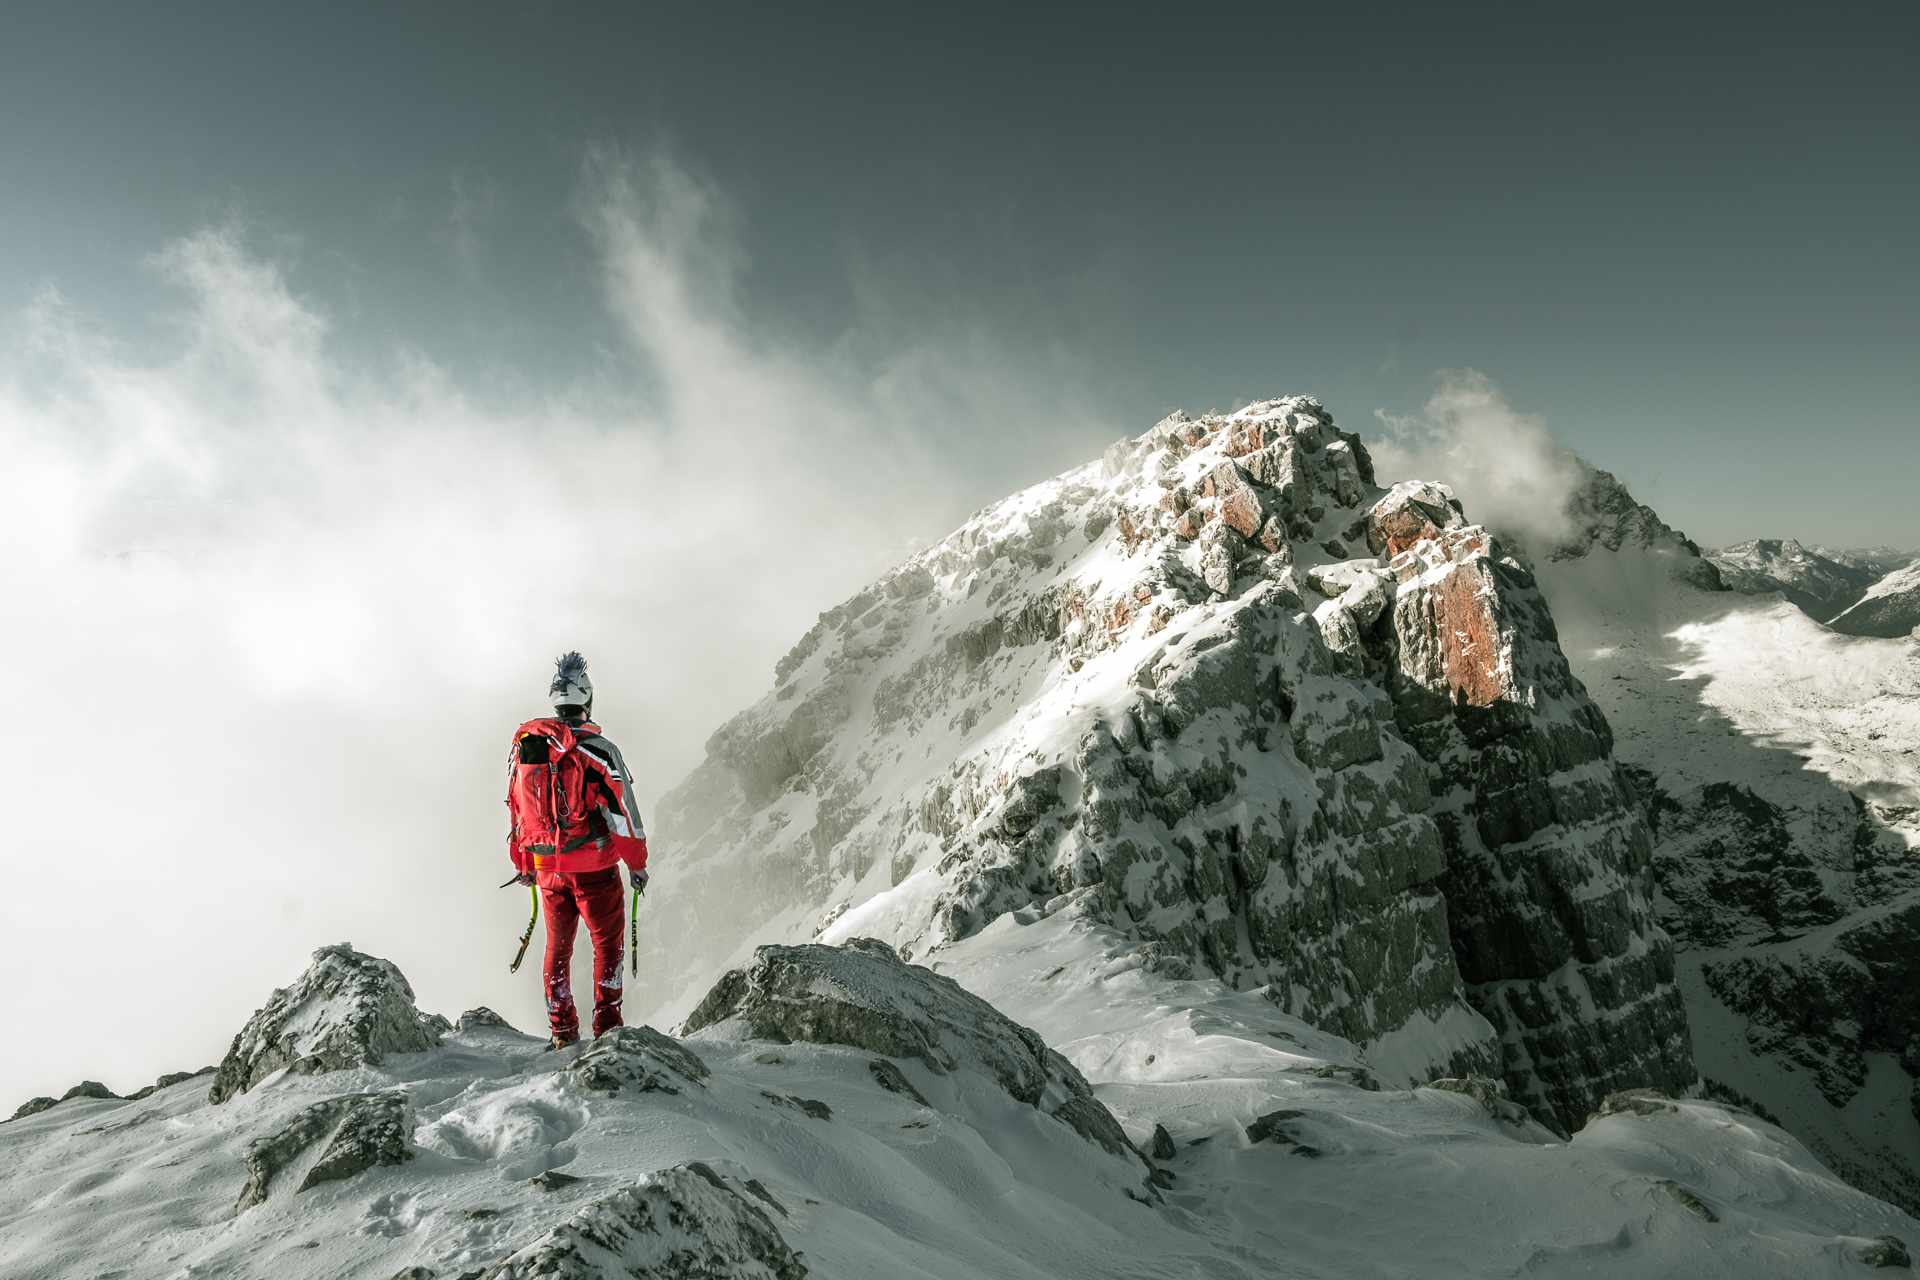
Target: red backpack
x=552 y=792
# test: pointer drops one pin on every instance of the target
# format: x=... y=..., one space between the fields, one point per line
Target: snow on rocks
x=1491 y=1095
x=862 y=994
x=346 y=1010
x=677 y=1224
x=476 y=1018
x=1412 y=512
x=803 y=1160
x=85 y=1089
x=360 y=1130
x=639 y=1059
x=1890 y=608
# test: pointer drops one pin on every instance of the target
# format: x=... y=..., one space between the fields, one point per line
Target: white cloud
x=272 y=617
x=1507 y=468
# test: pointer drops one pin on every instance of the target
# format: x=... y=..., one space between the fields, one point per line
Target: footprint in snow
x=525 y=1128
x=393 y=1214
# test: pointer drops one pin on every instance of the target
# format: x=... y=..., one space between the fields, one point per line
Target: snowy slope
x=725 y=1156
x=1781 y=766
x=1890 y=607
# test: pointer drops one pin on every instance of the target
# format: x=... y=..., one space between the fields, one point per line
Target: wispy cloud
x=474 y=199
x=1505 y=465
x=278 y=610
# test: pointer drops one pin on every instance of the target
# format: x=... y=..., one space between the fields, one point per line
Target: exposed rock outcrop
x=85 y=1089
x=1548 y=870
x=481 y=1018
x=680 y=1223
x=864 y=995
x=346 y=1010
x=360 y=1130
x=638 y=1059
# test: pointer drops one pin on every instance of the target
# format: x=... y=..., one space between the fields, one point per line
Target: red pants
x=567 y=897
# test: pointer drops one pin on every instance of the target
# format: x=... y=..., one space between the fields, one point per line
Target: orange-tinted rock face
x=1243 y=511
x=1469 y=637
x=1450 y=633
x=1248 y=437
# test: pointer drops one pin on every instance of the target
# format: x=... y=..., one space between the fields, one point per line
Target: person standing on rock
x=574 y=820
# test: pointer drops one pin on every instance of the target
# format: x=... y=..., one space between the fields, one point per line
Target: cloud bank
x=273 y=615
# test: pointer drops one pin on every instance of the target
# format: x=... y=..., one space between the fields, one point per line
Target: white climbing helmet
x=570 y=686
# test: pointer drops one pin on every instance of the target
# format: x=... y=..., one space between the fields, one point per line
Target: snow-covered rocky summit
x=1227 y=697
x=1606 y=518
x=346 y=1010
x=840 y=1113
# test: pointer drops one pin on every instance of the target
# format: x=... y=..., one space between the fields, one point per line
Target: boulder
x=678 y=1223
x=1412 y=512
x=636 y=1059
x=1883 y=1251
x=862 y=994
x=482 y=1017
x=346 y=1010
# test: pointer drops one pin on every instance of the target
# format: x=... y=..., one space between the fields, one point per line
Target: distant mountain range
x=1831 y=586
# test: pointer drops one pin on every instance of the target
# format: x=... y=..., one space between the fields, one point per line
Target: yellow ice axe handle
x=533 y=891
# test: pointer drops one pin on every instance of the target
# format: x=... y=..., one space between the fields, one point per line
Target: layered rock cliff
x=1229 y=697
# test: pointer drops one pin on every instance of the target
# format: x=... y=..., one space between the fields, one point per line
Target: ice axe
x=533 y=891
x=633 y=929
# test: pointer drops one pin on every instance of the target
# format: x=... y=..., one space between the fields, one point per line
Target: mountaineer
x=574 y=820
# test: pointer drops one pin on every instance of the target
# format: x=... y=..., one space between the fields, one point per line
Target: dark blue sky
x=1683 y=234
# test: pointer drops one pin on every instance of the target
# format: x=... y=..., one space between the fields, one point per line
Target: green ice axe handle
x=525 y=938
x=633 y=930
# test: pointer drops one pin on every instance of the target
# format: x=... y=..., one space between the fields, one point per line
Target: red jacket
x=571 y=803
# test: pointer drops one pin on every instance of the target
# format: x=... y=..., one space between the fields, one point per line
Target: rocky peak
x=348 y=1009
x=1223 y=694
x=1605 y=516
